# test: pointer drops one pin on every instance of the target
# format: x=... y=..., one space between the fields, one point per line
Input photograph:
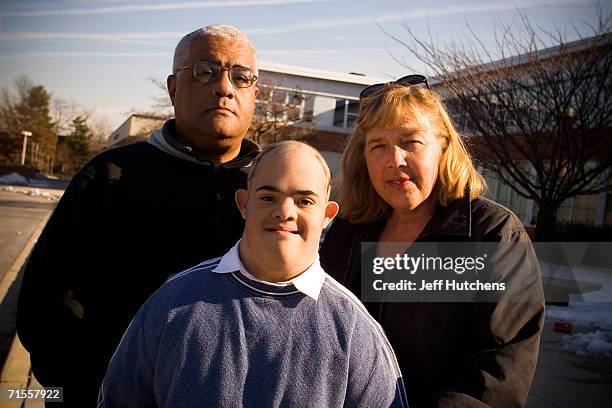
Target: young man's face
x=285 y=209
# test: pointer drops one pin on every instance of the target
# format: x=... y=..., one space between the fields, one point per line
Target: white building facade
x=136 y=128
x=329 y=101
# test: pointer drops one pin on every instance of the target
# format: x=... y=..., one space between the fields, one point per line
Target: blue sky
x=101 y=53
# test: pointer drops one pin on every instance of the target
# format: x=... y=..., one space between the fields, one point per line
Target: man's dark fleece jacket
x=129 y=219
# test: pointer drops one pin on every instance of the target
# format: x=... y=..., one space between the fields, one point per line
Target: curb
x=13 y=272
x=16 y=372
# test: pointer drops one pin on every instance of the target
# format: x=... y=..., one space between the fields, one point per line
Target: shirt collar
x=308 y=282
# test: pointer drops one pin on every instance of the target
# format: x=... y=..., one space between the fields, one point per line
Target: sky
x=102 y=54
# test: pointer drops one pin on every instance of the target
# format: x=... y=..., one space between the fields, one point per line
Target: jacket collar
x=165 y=140
x=452 y=220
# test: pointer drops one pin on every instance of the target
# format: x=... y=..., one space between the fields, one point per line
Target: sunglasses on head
x=408 y=80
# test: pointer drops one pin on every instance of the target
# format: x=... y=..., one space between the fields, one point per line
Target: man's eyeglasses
x=208 y=71
x=408 y=80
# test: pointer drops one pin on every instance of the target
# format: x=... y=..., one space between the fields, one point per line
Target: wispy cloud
x=54 y=54
x=500 y=5
x=153 y=7
x=51 y=35
x=142 y=38
x=323 y=52
x=330 y=23
x=273 y=52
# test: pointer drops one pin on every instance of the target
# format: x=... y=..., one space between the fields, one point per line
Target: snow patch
x=32 y=192
x=594 y=344
x=594 y=316
x=14 y=179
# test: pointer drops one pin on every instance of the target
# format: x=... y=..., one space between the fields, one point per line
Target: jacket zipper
x=219 y=204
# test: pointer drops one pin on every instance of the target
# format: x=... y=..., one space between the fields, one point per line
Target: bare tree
x=279 y=115
x=162 y=106
x=100 y=130
x=539 y=108
x=79 y=141
x=64 y=111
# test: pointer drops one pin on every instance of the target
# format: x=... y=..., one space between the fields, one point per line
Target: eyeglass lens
x=207 y=71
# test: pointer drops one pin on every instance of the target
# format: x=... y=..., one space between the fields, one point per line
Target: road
x=20 y=214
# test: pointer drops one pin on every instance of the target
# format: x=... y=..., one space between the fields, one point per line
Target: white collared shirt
x=308 y=282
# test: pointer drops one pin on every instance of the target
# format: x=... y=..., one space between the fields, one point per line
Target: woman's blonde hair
x=389 y=108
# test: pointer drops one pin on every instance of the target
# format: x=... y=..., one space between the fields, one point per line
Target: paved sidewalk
x=566 y=380
x=17 y=375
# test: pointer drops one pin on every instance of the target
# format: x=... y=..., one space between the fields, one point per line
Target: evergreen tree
x=78 y=143
x=34 y=113
x=26 y=111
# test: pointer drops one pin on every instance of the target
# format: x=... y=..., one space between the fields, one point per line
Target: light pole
x=25 y=134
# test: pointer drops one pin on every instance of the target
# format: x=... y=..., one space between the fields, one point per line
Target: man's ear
x=171 y=84
x=331 y=210
x=256 y=91
x=241 y=201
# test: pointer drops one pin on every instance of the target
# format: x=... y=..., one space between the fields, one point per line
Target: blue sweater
x=223 y=340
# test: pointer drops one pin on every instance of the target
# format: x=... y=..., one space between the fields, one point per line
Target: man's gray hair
x=224 y=32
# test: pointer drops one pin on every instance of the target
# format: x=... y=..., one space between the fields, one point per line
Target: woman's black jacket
x=454 y=354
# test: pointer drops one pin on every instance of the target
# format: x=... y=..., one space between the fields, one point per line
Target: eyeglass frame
x=221 y=69
x=408 y=80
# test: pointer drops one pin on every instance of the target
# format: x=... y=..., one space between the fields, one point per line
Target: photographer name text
x=438 y=285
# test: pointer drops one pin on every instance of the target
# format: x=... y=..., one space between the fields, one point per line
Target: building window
x=345 y=113
x=295 y=106
x=503 y=194
x=339 y=113
x=279 y=96
x=281 y=105
x=309 y=103
x=351 y=113
x=578 y=210
x=608 y=213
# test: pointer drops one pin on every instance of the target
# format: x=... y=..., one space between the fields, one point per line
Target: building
x=324 y=103
x=567 y=103
x=136 y=128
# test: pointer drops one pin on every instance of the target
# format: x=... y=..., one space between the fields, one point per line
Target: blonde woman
x=407 y=177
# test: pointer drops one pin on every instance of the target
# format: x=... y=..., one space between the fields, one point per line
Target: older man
x=137 y=214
